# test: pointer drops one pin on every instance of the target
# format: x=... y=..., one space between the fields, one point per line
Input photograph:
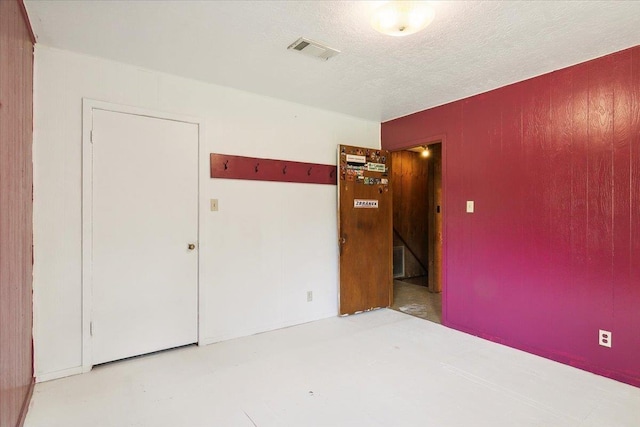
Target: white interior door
x=145 y=216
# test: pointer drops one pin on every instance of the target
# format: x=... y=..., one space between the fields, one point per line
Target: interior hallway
x=412 y=296
x=380 y=368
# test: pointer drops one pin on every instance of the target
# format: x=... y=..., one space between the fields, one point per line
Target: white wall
x=268 y=244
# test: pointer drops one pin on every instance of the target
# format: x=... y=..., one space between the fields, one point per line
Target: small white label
x=362 y=203
x=376 y=167
x=470 y=206
x=352 y=158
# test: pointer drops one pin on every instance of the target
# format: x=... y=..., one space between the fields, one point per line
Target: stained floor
x=381 y=368
x=416 y=300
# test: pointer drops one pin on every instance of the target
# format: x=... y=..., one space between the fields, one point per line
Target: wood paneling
x=16 y=177
x=628 y=292
x=434 y=218
x=410 y=204
x=552 y=252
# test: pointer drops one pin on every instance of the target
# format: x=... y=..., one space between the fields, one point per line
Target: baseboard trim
x=26 y=402
x=59 y=374
x=274 y=327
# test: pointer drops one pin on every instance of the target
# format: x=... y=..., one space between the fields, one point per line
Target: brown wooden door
x=364 y=229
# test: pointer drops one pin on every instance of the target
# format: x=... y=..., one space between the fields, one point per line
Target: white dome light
x=401 y=18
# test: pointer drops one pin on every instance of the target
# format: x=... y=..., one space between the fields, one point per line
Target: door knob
x=191 y=246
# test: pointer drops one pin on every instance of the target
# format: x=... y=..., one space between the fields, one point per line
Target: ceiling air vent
x=313 y=49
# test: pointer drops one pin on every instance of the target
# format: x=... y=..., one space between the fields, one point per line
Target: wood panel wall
x=434 y=215
x=552 y=252
x=16 y=177
x=410 y=204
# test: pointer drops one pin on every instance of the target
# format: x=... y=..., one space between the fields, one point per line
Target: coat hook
x=332 y=173
x=256 y=168
x=284 y=170
x=225 y=165
x=309 y=171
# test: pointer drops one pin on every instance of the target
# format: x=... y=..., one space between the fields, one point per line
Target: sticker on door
x=363 y=203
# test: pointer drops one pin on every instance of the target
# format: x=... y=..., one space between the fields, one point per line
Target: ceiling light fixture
x=425 y=151
x=401 y=18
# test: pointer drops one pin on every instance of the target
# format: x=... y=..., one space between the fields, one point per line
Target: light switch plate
x=214 y=205
x=470 y=206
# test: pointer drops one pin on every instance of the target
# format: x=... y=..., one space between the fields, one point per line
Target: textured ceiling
x=471 y=47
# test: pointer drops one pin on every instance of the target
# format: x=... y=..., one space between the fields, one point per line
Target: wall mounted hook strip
x=259 y=169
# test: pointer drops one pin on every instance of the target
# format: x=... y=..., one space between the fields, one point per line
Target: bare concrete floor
x=417 y=301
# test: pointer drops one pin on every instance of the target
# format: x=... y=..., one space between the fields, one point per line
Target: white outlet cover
x=604 y=338
x=470 y=206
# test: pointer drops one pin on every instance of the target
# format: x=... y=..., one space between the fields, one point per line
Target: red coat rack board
x=238 y=167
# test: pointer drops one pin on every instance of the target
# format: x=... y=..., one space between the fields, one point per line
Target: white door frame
x=88 y=105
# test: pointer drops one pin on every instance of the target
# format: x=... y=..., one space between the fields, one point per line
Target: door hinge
x=91 y=136
x=91 y=328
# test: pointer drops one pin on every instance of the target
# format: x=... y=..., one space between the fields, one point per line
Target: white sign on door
x=352 y=158
x=363 y=203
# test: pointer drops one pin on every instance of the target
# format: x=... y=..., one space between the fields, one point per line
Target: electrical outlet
x=604 y=338
x=309 y=296
x=470 y=206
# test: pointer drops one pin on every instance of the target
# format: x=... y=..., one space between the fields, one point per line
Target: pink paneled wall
x=16 y=219
x=552 y=252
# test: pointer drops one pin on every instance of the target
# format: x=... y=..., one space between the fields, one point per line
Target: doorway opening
x=417 y=231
